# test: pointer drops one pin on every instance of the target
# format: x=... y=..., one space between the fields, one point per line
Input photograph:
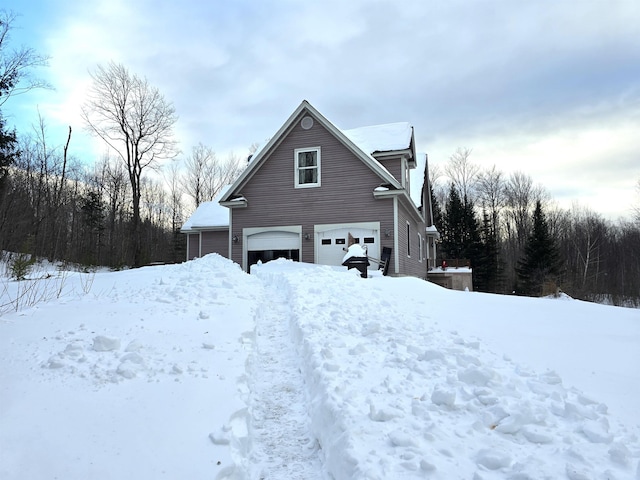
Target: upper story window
x=307 y=167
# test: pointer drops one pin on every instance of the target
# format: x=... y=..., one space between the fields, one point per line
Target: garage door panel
x=332 y=244
x=273 y=240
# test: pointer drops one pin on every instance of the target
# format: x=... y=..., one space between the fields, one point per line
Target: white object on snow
x=355 y=250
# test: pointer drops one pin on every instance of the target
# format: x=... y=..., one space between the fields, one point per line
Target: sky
x=548 y=88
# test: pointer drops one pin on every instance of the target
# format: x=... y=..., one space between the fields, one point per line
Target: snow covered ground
x=299 y=371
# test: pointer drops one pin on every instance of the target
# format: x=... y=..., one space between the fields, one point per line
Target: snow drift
x=199 y=370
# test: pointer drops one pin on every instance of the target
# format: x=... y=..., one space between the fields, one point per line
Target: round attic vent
x=306 y=123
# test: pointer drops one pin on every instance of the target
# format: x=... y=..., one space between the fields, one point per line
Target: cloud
x=505 y=78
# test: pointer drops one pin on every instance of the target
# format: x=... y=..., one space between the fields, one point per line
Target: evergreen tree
x=540 y=263
x=8 y=150
x=453 y=226
x=487 y=268
x=93 y=217
x=436 y=211
x=471 y=244
x=8 y=155
x=461 y=235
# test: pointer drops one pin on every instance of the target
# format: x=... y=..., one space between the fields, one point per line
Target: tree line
x=54 y=206
x=125 y=209
x=518 y=241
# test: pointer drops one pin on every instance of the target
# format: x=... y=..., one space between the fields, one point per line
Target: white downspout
x=396 y=254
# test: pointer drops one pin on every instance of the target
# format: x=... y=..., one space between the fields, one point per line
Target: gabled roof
x=208 y=215
x=355 y=148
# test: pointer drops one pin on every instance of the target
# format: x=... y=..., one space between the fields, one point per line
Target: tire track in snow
x=282 y=446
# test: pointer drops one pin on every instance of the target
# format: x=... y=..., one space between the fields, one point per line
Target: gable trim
x=261 y=156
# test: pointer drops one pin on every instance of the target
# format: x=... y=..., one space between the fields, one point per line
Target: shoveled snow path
x=281 y=444
x=393 y=393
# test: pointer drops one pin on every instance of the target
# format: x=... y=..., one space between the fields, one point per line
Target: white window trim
x=420 y=256
x=296 y=169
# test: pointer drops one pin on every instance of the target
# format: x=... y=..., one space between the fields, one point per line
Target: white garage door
x=332 y=244
x=273 y=240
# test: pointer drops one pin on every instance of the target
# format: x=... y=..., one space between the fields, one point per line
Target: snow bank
x=199 y=370
x=135 y=379
x=394 y=395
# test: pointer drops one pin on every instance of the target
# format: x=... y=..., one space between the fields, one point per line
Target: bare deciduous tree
x=15 y=77
x=171 y=174
x=520 y=195
x=136 y=121
x=520 y=198
x=462 y=172
x=587 y=237
x=636 y=207
x=225 y=173
x=206 y=174
x=438 y=188
x=197 y=168
x=490 y=186
x=112 y=181
x=16 y=65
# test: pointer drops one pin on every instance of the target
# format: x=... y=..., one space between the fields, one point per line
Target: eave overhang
x=240 y=203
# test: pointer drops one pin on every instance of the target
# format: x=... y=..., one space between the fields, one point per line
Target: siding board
x=193 y=250
x=394 y=165
x=410 y=265
x=215 y=242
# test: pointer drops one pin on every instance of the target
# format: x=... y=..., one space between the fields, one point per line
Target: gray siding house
x=313 y=189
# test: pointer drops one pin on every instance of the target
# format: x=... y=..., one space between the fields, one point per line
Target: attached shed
x=453 y=274
x=207 y=230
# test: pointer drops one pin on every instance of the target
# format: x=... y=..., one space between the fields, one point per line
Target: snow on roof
x=209 y=214
x=381 y=138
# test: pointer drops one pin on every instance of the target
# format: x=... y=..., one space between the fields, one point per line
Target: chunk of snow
x=220 y=437
x=475 y=376
x=596 y=432
x=383 y=414
x=400 y=438
x=443 y=396
x=493 y=459
x=536 y=434
x=103 y=343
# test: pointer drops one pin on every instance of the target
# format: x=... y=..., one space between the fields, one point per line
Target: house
x=314 y=189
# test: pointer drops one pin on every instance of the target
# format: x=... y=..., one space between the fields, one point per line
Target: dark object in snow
x=361 y=263
x=385 y=258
